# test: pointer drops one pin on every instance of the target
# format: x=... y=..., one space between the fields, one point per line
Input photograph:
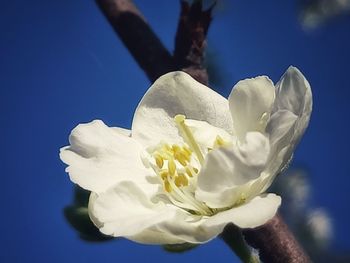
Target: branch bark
x=276 y=243
x=273 y=240
x=146 y=48
x=190 y=40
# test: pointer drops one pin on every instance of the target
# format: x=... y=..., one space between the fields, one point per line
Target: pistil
x=188 y=136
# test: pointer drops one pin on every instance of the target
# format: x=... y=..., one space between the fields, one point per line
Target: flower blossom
x=193 y=161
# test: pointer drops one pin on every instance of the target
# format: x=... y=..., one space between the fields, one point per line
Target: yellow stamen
x=176 y=148
x=219 y=141
x=187 y=150
x=166 y=147
x=167 y=186
x=181 y=180
x=171 y=167
x=188 y=171
x=188 y=136
x=186 y=154
x=159 y=160
x=181 y=158
x=164 y=174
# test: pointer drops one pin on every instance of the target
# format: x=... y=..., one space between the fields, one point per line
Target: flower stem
x=233 y=237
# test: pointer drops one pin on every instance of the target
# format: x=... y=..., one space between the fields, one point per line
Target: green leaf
x=78 y=218
x=179 y=248
x=81 y=196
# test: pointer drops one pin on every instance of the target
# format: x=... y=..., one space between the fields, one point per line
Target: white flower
x=321 y=227
x=193 y=161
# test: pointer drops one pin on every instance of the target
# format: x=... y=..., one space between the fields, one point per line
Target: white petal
x=227 y=170
x=249 y=215
x=99 y=157
x=289 y=120
x=155 y=236
x=123 y=131
x=293 y=93
x=177 y=93
x=126 y=211
x=251 y=102
x=281 y=129
x=206 y=134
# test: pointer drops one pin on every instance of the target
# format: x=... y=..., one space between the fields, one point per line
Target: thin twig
x=233 y=237
x=190 y=41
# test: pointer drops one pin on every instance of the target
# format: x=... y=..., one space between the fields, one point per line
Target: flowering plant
x=193 y=161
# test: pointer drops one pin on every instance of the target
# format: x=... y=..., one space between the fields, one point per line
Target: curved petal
x=177 y=93
x=249 y=215
x=227 y=170
x=99 y=157
x=293 y=93
x=122 y=131
x=281 y=129
x=206 y=134
x=125 y=210
x=251 y=102
x=290 y=118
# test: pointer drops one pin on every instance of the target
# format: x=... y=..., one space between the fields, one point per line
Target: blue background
x=61 y=64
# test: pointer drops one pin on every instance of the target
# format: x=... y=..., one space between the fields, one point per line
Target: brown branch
x=190 y=41
x=138 y=37
x=275 y=242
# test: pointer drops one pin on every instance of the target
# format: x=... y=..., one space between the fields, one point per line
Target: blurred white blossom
x=321 y=226
x=316 y=12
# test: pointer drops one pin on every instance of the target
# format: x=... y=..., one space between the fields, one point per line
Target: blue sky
x=61 y=64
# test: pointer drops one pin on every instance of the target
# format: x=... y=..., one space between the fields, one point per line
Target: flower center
x=177 y=167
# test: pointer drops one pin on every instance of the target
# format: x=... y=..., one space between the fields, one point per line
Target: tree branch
x=190 y=41
x=138 y=37
x=276 y=243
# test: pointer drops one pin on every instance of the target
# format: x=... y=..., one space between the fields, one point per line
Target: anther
x=167 y=186
x=171 y=167
x=164 y=175
x=219 y=141
x=181 y=180
x=181 y=158
x=187 y=150
x=159 y=160
x=188 y=171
